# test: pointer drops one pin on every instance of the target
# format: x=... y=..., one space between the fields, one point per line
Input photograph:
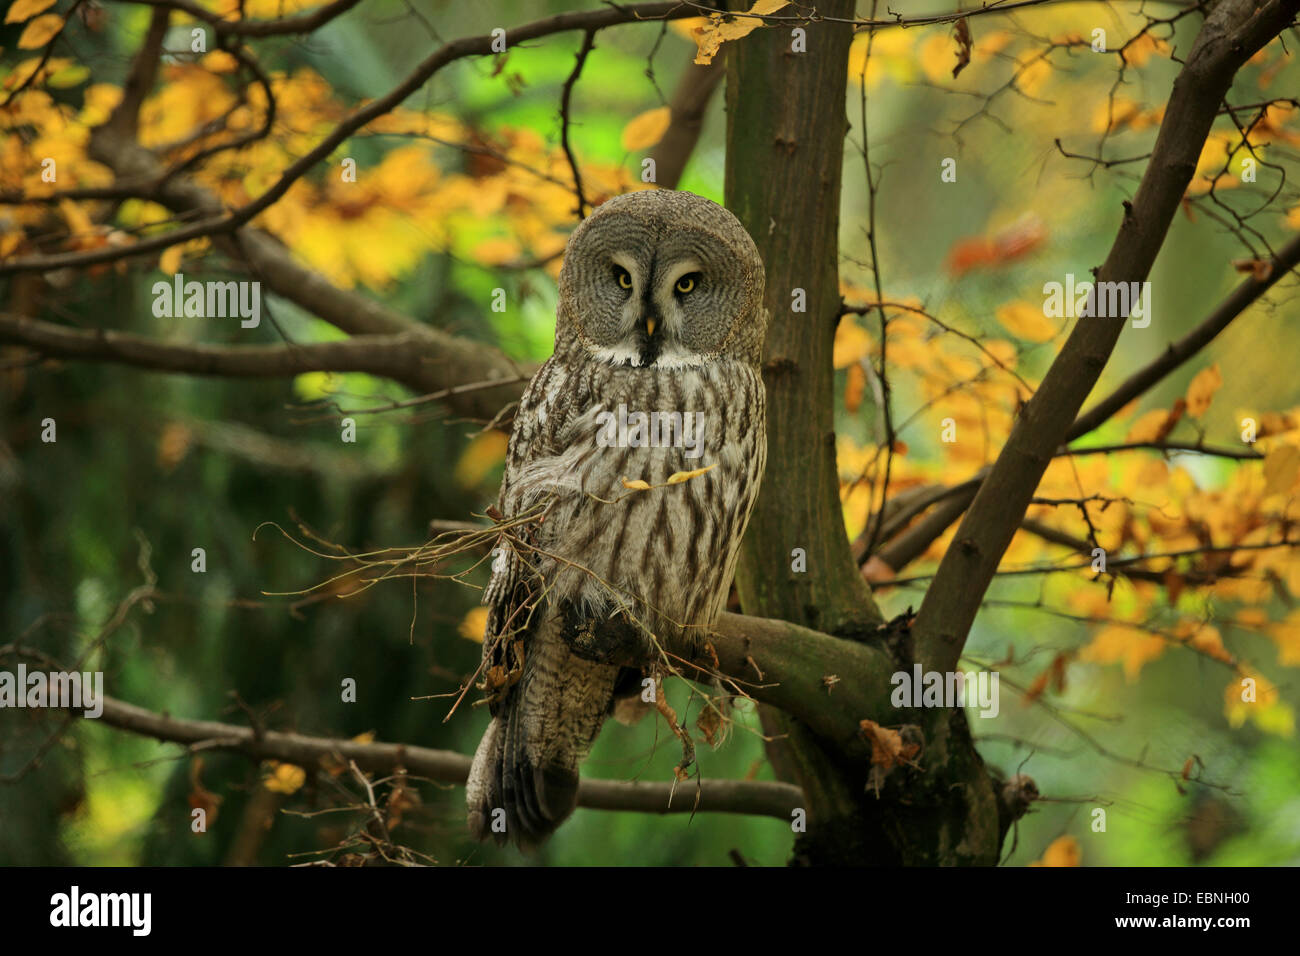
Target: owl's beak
x=649 y=326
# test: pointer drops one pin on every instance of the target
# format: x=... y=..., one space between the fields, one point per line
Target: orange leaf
x=1063 y=851
x=40 y=32
x=484 y=452
x=1201 y=391
x=26 y=9
x=285 y=778
x=648 y=128
x=1014 y=242
x=851 y=343
x=1155 y=426
x=1117 y=643
x=1026 y=321
x=474 y=626
x=854 y=387
x=888 y=749
x=1280 y=468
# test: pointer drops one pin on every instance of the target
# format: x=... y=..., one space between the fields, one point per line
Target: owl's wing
x=546 y=424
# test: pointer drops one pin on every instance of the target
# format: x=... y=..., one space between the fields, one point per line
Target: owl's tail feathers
x=509 y=796
x=483 y=790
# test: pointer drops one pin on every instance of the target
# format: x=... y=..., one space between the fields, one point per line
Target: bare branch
x=690 y=102
x=1240 y=299
x=1239 y=454
x=566 y=98
x=753 y=797
x=304 y=23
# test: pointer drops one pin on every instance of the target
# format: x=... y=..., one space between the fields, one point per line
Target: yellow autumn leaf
x=1201 y=391
x=220 y=61
x=1207 y=639
x=1063 y=851
x=718 y=31
x=169 y=263
x=1253 y=618
x=851 y=343
x=485 y=451
x=647 y=129
x=688 y=27
x=285 y=778
x=1280 y=467
x=25 y=9
x=892 y=56
x=677 y=477
x=1286 y=634
x=1032 y=76
x=1026 y=321
x=498 y=251
x=1250 y=695
x=1137 y=52
x=1117 y=643
x=635 y=484
x=1215 y=153
x=936 y=56
x=79 y=223
x=40 y=32
x=1148 y=427
x=474 y=626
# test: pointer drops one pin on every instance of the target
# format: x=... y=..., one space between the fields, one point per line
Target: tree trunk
x=785 y=141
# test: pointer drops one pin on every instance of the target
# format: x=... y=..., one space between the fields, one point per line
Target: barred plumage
x=608 y=563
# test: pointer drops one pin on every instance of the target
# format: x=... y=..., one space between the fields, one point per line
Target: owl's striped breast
x=669 y=551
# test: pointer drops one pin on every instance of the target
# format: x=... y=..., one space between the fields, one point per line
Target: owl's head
x=665 y=279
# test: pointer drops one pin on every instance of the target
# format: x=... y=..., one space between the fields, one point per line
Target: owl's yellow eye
x=686 y=284
x=624 y=278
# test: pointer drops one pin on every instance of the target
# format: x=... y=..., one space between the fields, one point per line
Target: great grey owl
x=655 y=376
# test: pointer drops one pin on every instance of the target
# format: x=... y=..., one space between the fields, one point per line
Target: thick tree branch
x=785 y=666
x=1233 y=32
x=392 y=356
x=125 y=118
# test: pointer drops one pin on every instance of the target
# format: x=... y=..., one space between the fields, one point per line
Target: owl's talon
x=615 y=640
